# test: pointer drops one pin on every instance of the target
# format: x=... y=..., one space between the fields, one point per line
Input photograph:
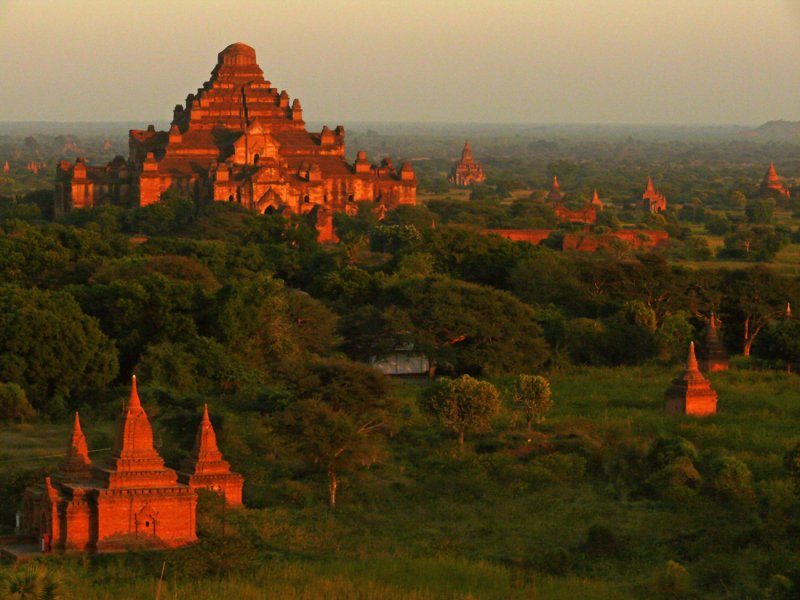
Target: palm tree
x=32 y=583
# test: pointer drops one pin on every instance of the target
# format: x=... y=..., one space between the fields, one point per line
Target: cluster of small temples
x=587 y=215
x=237 y=139
x=467 y=171
x=131 y=500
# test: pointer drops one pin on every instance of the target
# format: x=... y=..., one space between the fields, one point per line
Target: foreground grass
x=509 y=517
x=386 y=579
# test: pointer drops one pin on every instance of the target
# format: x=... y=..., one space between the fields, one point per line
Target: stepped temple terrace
x=134 y=499
x=691 y=393
x=238 y=139
x=467 y=171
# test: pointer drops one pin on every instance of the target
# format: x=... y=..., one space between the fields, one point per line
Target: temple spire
x=555 y=191
x=76 y=463
x=134 y=401
x=788 y=310
x=772 y=173
x=205 y=444
x=466 y=153
x=691 y=362
x=713 y=322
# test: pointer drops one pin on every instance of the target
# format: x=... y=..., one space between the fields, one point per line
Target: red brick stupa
x=238 y=139
x=133 y=501
x=713 y=356
x=691 y=393
x=772 y=184
x=555 y=194
x=467 y=171
x=208 y=470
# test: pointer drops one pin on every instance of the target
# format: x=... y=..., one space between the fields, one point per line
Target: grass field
x=511 y=517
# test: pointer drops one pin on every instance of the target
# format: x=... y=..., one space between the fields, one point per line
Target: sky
x=459 y=61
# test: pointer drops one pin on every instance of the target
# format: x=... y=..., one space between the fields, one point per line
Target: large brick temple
x=133 y=499
x=239 y=140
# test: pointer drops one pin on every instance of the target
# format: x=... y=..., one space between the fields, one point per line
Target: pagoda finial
x=134 y=401
x=205 y=445
x=788 y=310
x=691 y=362
x=555 y=182
x=713 y=321
x=76 y=463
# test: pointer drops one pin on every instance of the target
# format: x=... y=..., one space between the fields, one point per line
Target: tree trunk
x=460 y=440
x=333 y=485
x=431 y=369
x=747 y=341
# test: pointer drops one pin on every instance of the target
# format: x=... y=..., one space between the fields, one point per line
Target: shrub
x=14 y=405
x=673 y=581
x=728 y=479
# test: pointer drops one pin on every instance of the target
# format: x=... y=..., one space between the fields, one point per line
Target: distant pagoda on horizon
x=772 y=184
x=467 y=171
x=653 y=200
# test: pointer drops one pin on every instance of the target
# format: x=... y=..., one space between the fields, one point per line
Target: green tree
x=464 y=405
x=532 y=397
x=342 y=419
x=464 y=328
x=760 y=210
x=14 y=405
x=728 y=479
x=49 y=347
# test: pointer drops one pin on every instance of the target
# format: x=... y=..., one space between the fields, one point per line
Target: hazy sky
x=531 y=61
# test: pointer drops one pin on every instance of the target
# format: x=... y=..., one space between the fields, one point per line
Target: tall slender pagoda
x=207 y=469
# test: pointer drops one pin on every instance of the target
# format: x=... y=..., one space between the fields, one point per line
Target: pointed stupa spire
x=772 y=173
x=691 y=362
x=788 y=310
x=713 y=357
x=466 y=153
x=205 y=443
x=134 y=401
x=650 y=190
x=208 y=469
x=135 y=462
x=555 y=191
x=76 y=463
